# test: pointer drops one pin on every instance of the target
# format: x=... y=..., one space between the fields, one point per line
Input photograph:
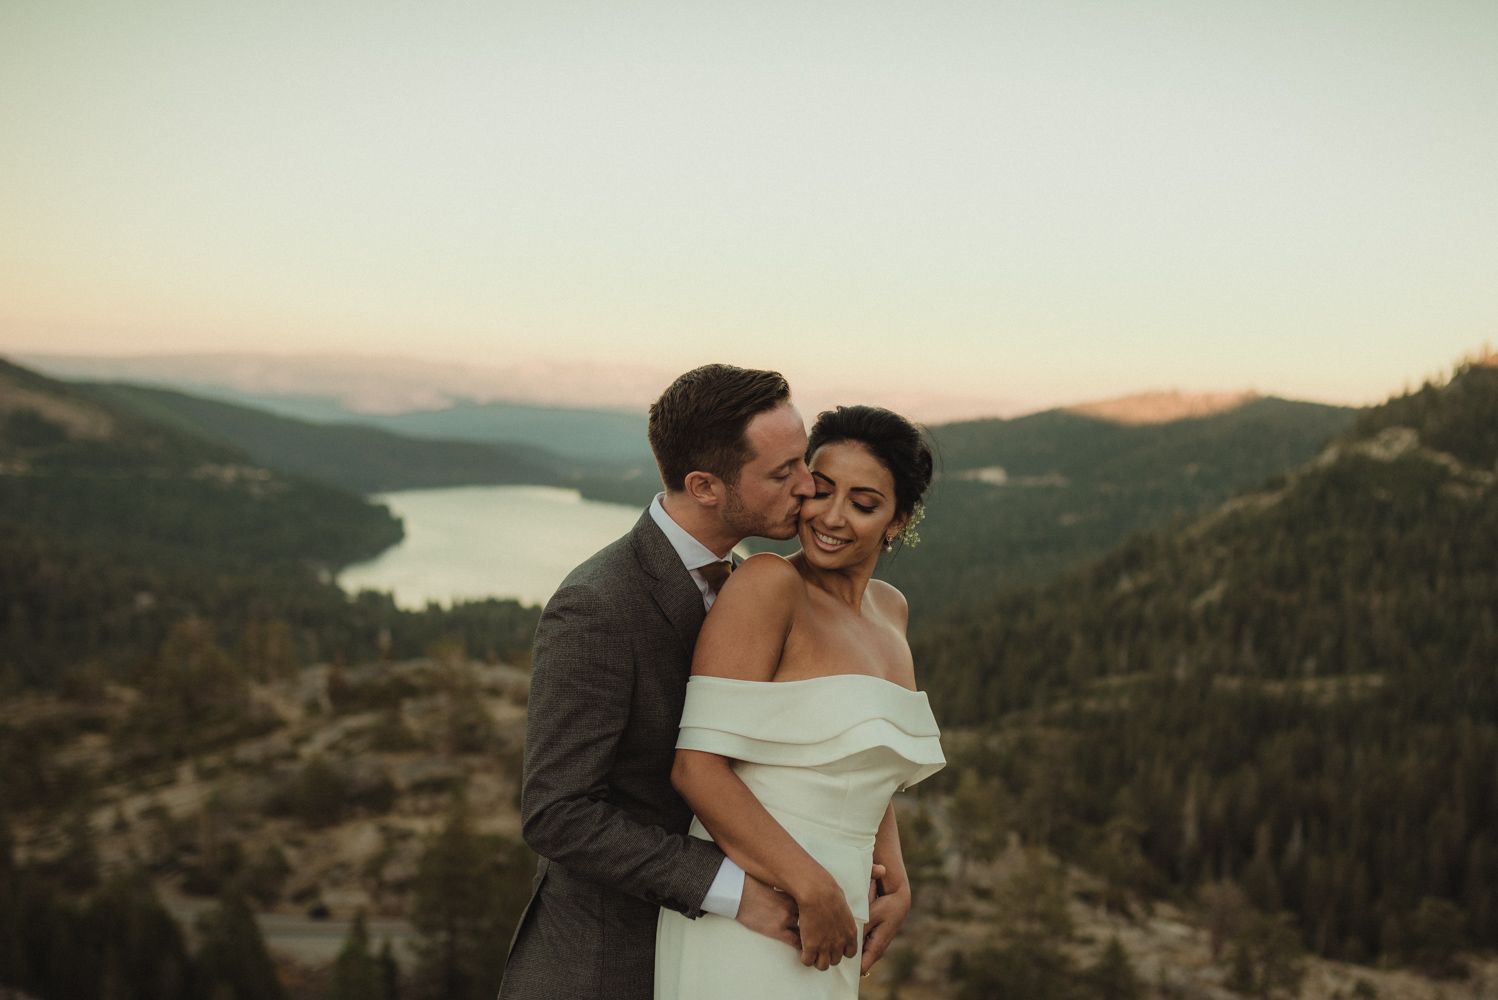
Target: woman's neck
x=847 y=585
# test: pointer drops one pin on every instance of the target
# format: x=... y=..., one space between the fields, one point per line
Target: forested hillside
x=1020 y=500
x=163 y=601
x=1294 y=696
x=114 y=526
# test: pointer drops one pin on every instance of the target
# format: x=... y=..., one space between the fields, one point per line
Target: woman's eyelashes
x=824 y=494
x=824 y=490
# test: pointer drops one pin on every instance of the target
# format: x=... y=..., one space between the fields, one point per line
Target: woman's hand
x=828 y=932
x=886 y=916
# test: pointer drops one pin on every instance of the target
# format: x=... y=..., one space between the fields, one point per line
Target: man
x=609 y=671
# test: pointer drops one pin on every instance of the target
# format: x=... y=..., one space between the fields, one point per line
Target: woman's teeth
x=828 y=539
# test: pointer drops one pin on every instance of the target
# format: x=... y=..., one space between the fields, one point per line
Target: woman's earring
x=889 y=543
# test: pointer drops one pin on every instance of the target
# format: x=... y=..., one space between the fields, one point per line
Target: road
x=308 y=940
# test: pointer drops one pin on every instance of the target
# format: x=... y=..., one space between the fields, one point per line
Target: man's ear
x=705 y=488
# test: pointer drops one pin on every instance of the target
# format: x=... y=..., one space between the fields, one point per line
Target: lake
x=470 y=542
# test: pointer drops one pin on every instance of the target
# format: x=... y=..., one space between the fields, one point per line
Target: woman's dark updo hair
x=897 y=443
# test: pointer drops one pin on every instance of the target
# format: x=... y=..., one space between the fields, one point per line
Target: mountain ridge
x=1018 y=500
x=371 y=459
x=1161 y=407
x=1292 y=693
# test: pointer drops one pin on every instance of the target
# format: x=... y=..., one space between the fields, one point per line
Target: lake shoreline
x=476 y=542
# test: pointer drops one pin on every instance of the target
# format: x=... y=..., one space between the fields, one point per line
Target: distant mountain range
x=374 y=384
x=369 y=459
x=591 y=436
x=594 y=436
x=354 y=387
x=1162 y=407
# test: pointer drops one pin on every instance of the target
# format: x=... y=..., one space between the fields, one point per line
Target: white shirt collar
x=693 y=554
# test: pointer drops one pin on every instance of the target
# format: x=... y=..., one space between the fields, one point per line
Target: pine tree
x=1260 y=883
x=920 y=844
x=1434 y=935
x=390 y=972
x=1241 y=970
x=975 y=810
x=357 y=973
x=233 y=959
x=12 y=917
x=194 y=671
x=1223 y=905
x=1026 y=968
x=1113 y=977
x=1026 y=960
x=450 y=908
x=144 y=956
x=78 y=868
x=1265 y=960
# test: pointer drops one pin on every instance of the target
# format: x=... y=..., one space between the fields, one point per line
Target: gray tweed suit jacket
x=608 y=679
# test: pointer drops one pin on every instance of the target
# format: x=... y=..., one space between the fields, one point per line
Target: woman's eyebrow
x=854 y=489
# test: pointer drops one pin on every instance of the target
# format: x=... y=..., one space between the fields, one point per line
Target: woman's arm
x=887 y=913
x=748 y=834
x=743 y=639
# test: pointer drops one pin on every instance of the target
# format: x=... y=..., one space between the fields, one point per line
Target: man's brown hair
x=699 y=423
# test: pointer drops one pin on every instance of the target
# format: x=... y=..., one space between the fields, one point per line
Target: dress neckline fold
x=806 y=680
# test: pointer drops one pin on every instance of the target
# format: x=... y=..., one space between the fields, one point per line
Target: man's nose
x=805 y=485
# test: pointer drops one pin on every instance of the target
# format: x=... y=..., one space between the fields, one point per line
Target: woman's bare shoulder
x=767 y=576
x=890 y=602
x=754 y=612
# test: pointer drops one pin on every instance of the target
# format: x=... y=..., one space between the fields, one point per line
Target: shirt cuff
x=727 y=890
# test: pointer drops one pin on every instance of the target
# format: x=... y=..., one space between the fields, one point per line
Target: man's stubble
x=748 y=522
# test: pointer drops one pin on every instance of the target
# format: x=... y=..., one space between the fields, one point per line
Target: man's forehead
x=784 y=418
x=777 y=436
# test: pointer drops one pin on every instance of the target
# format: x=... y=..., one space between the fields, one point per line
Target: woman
x=792 y=779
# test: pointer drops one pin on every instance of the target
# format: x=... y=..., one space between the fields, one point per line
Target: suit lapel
x=672 y=589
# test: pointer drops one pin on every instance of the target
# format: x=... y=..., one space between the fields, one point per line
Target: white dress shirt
x=727 y=890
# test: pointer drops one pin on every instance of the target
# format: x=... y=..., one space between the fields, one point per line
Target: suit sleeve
x=582 y=682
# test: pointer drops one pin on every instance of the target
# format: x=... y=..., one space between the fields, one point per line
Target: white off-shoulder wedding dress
x=823 y=755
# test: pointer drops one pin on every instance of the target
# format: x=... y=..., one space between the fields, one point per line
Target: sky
x=1045 y=201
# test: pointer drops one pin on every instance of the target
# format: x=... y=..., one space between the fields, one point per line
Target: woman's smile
x=829 y=543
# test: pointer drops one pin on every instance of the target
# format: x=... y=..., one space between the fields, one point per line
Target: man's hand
x=769 y=912
x=886 y=916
